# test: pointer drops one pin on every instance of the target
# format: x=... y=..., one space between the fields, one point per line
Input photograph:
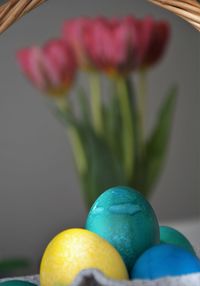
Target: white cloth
x=92 y=277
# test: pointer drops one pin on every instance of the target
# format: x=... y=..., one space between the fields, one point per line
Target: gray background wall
x=39 y=191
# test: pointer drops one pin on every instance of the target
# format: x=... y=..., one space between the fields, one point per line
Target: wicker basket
x=189 y=10
x=12 y=10
x=15 y=9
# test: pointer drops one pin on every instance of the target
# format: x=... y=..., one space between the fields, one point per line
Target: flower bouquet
x=106 y=114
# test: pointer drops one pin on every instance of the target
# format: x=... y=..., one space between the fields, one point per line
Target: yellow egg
x=74 y=250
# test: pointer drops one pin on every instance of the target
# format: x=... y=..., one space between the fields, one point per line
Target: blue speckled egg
x=173 y=236
x=124 y=217
x=165 y=260
x=16 y=282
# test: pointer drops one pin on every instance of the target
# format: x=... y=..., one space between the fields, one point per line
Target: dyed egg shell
x=16 y=283
x=124 y=217
x=173 y=236
x=74 y=250
x=165 y=260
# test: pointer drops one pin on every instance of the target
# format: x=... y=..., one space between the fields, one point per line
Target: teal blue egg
x=124 y=218
x=173 y=236
x=16 y=282
x=165 y=260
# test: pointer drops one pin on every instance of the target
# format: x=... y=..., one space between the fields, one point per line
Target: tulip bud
x=116 y=46
x=155 y=37
x=110 y=46
x=51 y=68
x=75 y=34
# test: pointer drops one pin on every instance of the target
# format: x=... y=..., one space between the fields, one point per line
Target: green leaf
x=75 y=129
x=127 y=133
x=65 y=116
x=9 y=265
x=156 y=146
x=113 y=123
x=104 y=170
x=84 y=106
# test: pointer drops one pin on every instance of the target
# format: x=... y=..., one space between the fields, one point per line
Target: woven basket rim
x=189 y=10
x=12 y=10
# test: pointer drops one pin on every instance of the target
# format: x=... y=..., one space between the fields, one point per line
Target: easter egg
x=74 y=250
x=15 y=282
x=124 y=217
x=165 y=260
x=173 y=236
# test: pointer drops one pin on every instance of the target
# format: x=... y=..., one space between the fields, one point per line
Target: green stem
x=87 y=194
x=142 y=99
x=62 y=104
x=96 y=103
x=78 y=150
x=76 y=142
x=112 y=119
x=81 y=163
x=127 y=128
x=79 y=153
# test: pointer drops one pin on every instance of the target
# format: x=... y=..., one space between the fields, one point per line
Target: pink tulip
x=112 y=45
x=107 y=44
x=75 y=32
x=117 y=46
x=155 y=37
x=139 y=34
x=51 y=68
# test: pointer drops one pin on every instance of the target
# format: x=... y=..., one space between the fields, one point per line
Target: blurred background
x=38 y=186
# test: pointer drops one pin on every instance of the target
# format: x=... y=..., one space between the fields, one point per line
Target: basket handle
x=12 y=10
x=189 y=10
